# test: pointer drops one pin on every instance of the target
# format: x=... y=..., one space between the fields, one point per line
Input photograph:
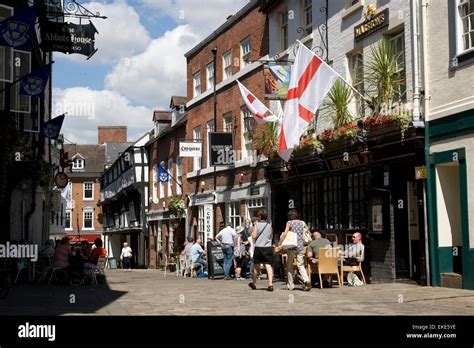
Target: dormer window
x=78 y=163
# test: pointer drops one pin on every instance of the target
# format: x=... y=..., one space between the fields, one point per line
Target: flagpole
x=342 y=78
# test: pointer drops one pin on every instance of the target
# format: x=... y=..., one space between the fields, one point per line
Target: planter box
x=384 y=129
x=338 y=145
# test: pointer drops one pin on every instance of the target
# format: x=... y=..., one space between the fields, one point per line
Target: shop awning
x=78 y=238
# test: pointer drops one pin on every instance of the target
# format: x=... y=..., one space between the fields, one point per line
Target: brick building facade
x=241 y=188
x=167 y=231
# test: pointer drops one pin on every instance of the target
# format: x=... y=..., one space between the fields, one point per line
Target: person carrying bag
x=295 y=227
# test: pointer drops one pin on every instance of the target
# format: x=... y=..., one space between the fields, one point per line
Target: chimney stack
x=112 y=134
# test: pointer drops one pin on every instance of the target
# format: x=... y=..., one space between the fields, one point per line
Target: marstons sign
x=372 y=23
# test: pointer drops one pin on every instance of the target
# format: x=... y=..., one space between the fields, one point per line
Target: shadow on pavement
x=59 y=299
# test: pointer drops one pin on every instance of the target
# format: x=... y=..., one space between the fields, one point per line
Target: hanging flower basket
x=176 y=207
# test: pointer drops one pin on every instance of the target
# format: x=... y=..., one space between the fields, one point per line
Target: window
x=6 y=67
x=179 y=173
x=248 y=129
x=332 y=202
x=233 y=214
x=284 y=30
x=465 y=25
x=68 y=220
x=245 y=52
x=88 y=191
x=398 y=47
x=210 y=129
x=201 y=223
x=210 y=76
x=310 y=195
x=77 y=163
x=88 y=219
x=155 y=183
x=308 y=16
x=197 y=136
x=170 y=171
x=227 y=64
x=357 y=77
x=228 y=122
x=357 y=207
x=22 y=67
x=254 y=205
x=197 y=84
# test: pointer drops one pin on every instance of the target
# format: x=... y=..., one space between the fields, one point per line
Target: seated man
x=197 y=254
x=355 y=252
x=313 y=249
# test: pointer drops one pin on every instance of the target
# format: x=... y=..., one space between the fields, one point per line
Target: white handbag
x=290 y=241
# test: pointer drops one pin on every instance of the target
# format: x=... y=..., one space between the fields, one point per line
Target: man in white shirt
x=226 y=238
x=197 y=255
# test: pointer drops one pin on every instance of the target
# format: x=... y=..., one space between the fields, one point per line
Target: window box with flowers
x=341 y=135
x=308 y=144
x=384 y=124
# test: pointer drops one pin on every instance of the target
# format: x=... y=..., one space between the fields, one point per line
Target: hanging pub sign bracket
x=71 y=8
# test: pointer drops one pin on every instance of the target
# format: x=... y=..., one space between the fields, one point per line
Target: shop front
x=368 y=187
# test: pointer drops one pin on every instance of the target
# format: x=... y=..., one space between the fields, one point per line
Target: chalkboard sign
x=215 y=260
x=112 y=263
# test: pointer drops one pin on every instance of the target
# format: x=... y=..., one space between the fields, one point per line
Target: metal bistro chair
x=99 y=269
x=54 y=269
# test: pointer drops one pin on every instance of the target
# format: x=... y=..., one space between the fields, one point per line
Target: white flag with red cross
x=311 y=79
x=260 y=112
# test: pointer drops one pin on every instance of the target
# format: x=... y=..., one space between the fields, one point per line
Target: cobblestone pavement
x=149 y=292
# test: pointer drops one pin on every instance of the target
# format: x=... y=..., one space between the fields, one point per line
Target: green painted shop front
x=449 y=174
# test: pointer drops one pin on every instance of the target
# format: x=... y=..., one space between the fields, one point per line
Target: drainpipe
x=415 y=39
x=426 y=186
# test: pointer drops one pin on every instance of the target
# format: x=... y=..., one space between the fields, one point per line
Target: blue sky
x=139 y=66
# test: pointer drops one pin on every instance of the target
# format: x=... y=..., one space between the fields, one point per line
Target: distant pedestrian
x=225 y=238
x=263 y=253
x=126 y=257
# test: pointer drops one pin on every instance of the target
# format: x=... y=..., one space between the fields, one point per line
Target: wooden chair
x=333 y=238
x=328 y=259
x=353 y=268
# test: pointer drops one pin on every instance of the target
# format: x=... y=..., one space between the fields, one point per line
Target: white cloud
x=120 y=35
x=203 y=16
x=153 y=76
x=87 y=109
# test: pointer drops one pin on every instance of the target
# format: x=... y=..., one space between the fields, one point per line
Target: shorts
x=263 y=255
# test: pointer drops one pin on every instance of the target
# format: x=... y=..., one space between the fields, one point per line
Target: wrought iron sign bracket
x=73 y=9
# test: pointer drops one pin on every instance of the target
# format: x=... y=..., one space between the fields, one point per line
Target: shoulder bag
x=290 y=240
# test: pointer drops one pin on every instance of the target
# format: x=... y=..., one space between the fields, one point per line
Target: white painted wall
x=448 y=205
x=450 y=91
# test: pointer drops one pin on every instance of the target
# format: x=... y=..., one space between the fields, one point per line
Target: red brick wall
x=117 y=134
x=79 y=203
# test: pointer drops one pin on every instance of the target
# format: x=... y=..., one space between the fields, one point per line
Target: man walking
x=226 y=238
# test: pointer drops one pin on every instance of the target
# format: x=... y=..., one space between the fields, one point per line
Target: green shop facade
x=451 y=199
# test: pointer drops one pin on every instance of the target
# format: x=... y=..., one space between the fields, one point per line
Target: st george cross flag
x=18 y=30
x=162 y=174
x=256 y=107
x=34 y=84
x=311 y=79
x=52 y=128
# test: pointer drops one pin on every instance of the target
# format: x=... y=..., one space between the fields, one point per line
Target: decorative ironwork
x=321 y=50
x=71 y=8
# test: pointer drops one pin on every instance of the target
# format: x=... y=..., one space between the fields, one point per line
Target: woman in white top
x=126 y=256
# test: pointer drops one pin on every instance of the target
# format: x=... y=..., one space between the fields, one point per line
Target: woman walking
x=297 y=226
x=262 y=235
x=126 y=257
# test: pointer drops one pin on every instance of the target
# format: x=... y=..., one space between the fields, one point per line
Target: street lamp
x=214 y=60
